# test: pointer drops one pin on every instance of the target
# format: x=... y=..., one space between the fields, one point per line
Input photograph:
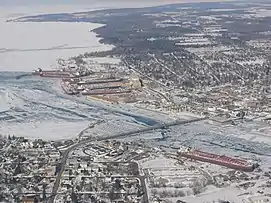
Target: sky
x=55 y=6
x=17 y=8
x=89 y=2
x=32 y=2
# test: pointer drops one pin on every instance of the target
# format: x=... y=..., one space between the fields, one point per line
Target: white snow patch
x=106 y=60
x=251 y=62
x=49 y=130
x=159 y=162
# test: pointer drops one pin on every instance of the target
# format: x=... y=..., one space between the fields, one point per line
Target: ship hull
x=99 y=81
x=71 y=80
x=52 y=74
x=102 y=92
x=219 y=160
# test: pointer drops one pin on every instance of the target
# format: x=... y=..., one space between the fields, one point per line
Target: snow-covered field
x=49 y=130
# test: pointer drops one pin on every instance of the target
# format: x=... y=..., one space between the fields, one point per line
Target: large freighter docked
x=106 y=80
x=105 y=91
x=238 y=164
x=52 y=73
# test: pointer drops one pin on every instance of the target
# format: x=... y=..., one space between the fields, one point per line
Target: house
x=30 y=199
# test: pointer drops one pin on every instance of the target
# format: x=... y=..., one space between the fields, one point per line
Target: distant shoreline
x=23 y=10
x=28 y=46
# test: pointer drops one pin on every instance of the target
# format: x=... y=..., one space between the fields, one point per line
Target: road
x=131 y=133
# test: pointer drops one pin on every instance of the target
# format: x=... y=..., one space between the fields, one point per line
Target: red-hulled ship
x=105 y=91
x=52 y=73
x=238 y=164
x=71 y=80
x=97 y=81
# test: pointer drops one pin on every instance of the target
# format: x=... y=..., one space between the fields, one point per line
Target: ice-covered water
x=36 y=107
x=28 y=108
x=28 y=46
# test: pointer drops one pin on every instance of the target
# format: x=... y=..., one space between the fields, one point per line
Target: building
x=259 y=199
x=30 y=199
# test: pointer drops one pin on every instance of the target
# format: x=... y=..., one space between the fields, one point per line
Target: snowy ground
x=231 y=194
x=47 y=130
x=166 y=173
x=102 y=60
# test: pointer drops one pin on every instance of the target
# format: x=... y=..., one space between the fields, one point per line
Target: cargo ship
x=105 y=91
x=52 y=73
x=114 y=85
x=238 y=164
x=71 y=80
x=97 y=81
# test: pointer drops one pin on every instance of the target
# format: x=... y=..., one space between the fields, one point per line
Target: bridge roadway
x=131 y=133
